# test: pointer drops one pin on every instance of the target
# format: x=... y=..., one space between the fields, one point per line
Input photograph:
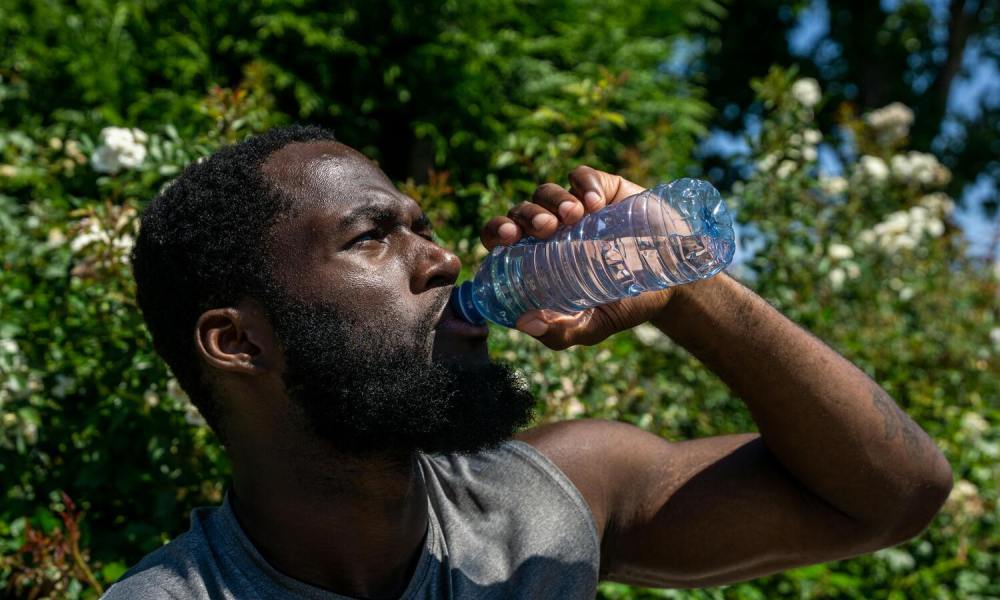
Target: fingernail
x=592 y=197
x=507 y=230
x=534 y=327
x=542 y=220
x=564 y=208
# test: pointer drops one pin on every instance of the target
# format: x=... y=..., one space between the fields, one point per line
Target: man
x=301 y=302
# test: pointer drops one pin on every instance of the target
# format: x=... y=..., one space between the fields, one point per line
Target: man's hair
x=203 y=244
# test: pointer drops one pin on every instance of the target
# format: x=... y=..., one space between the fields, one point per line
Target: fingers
x=499 y=230
x=559 y=202
x=526 y=218
x=588 y=185
x=551 y=206
x=597 y=189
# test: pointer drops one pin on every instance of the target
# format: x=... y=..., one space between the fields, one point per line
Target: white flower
x=995 y=336
x=120 y=148
x=8 y=346
x=920 y=167
x=898 y=560
x=874 y=168
x=902 y=242
x=934 y=226
x=650 y=336
x=124 y=243
x=812 y=136
x=895 y=223
x=866 y=237
x=840 y=252
x=833 y=185
x=809 y=153
x=974 y=424
x=192 y=416
x=806 y=92
x=88 y=234
x=938 y=203
x=30 y=433
x=55 y=237
x=574 y=408
x=786 y=168
x=891 y=123
x=906 y=294
x=964 y=499
x=852 y=268
x=837 y=277
x=767 y=163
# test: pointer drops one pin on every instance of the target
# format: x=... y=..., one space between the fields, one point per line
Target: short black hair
x=203 y=244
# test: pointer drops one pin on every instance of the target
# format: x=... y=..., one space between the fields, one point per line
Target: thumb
x=533 y=322
x=557 y=330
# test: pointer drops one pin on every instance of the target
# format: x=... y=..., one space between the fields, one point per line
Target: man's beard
x=368 y=388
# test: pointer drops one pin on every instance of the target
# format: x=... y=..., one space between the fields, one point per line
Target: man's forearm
x=828 y=423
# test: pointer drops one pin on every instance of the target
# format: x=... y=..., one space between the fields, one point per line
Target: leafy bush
x=102 y=456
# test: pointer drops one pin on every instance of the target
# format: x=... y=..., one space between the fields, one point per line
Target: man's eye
x=374 y=234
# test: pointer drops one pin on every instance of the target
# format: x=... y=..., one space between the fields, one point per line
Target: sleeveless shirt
x=504 y=523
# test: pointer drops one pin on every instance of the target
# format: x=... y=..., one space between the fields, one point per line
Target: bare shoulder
x=602 y=458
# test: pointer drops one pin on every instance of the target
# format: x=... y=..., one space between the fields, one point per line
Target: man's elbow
x=919 y=507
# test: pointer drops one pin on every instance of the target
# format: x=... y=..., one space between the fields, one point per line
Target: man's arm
x=837 y=470
x=834 y=429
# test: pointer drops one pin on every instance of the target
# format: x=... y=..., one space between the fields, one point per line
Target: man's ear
x=238 y=340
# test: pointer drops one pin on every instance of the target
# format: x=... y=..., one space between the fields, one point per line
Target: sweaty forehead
x=327 y=174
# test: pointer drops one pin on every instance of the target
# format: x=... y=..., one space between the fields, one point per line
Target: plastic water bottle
x=669 y=235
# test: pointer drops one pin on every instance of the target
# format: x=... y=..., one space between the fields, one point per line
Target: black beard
x=367 y=387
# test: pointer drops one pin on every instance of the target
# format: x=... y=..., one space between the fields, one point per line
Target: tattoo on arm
x=895 y=421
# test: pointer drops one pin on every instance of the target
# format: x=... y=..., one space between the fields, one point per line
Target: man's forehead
x=328 y=173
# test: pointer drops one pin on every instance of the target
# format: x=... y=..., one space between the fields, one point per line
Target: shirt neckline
x=285 y=583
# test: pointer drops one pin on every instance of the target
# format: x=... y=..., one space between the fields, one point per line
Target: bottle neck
x=463 y=305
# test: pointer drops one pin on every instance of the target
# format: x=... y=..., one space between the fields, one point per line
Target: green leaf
x=112 y=571
x=45 y=520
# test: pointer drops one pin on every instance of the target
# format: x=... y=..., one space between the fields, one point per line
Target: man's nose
x=436 y=266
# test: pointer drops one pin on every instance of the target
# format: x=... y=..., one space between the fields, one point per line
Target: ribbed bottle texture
x=668 y=235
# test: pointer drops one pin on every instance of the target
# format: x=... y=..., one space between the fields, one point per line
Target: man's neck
x=356 y=528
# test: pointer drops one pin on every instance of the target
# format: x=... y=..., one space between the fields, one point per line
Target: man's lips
x=450 y=323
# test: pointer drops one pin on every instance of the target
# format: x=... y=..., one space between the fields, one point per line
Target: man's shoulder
x=172 y=571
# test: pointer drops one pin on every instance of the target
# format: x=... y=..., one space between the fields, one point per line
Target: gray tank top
x=506 y=523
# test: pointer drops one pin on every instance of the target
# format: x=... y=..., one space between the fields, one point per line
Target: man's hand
x=552 y=207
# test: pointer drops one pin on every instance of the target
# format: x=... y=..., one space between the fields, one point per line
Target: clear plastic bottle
x=668 y=235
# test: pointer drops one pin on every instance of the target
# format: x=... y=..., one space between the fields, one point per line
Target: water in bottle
x=668 y=235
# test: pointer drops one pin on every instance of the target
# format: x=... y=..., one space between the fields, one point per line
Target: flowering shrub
x=868 y=259
x=873 y=264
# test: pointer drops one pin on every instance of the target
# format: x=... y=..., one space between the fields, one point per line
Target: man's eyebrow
x=422 y=222
x=379 y=213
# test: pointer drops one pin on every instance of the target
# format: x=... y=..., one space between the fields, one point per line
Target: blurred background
x=858 y=143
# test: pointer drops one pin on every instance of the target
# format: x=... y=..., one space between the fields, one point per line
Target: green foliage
x=495 y=99
x=416 y=84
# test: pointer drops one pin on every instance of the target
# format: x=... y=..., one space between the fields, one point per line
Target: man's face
x=361 y=288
